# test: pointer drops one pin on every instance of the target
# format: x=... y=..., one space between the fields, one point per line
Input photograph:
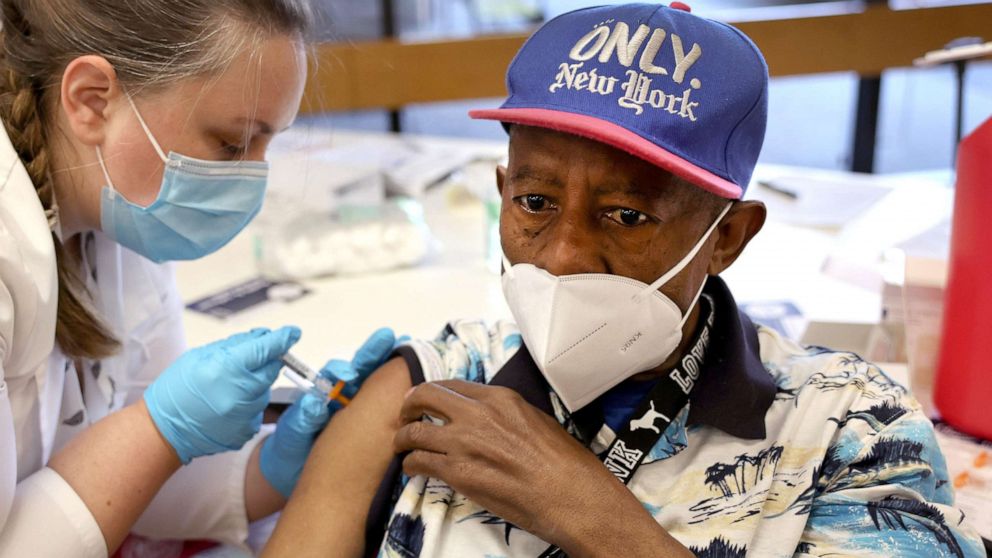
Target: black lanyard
x=655 y=413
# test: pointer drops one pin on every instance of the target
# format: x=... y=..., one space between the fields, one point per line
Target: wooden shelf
x=391 y=74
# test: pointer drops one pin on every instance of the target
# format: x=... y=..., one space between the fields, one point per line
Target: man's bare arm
x=326 y=514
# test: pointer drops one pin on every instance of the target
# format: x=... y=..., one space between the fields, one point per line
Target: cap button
x=680 y=6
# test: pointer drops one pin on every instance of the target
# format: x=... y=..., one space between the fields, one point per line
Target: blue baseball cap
x=685 y=93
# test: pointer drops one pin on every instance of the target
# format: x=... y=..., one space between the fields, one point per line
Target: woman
x=136 y=133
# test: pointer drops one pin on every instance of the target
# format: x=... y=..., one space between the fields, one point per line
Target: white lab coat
x=42 y=405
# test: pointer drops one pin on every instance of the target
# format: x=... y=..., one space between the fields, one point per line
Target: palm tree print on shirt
x=718 y=473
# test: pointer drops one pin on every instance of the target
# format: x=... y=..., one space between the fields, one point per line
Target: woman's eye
x=628 y=217
x=534 y=203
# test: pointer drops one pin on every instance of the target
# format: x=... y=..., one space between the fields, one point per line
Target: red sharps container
x=963 y=387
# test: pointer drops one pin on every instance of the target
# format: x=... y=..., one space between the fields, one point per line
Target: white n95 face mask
x=588 y=332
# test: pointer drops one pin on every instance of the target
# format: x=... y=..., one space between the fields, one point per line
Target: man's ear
x=742 y=222
x=89 y=88
x=500 y=178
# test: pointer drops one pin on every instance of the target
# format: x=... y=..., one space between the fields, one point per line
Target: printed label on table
x=239 y=298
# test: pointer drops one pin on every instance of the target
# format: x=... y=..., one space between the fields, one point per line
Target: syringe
x=308 y=380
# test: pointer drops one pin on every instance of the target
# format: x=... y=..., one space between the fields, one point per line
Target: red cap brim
x=615 y=136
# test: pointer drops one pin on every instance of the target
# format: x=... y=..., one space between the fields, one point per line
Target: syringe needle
x=307 y=379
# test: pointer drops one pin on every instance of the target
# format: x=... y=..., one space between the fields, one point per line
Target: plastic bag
x=352 y=240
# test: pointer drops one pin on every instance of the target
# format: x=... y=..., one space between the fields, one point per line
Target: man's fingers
x=425 y=436
x=472 y=390
x=435 y=400
x=425 y=463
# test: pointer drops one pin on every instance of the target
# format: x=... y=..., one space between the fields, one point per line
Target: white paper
x=818 y=202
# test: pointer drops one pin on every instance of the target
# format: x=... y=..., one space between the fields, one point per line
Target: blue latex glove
x=286 y=450
x=211 y=399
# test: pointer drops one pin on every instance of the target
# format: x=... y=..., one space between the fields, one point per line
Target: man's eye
x=628 y=217
x=534 y=203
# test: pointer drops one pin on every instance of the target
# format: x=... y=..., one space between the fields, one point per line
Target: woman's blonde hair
x=150 y=43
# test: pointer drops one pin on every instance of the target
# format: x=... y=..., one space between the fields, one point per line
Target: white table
x=341 y=312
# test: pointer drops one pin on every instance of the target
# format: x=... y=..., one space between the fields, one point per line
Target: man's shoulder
x=874 y=427
x=876 y=424
x=467 y=349
x=815 y=372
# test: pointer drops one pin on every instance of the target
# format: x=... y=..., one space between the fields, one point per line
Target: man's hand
x=520 y=464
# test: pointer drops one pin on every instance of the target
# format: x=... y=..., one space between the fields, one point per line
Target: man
x=636 y=412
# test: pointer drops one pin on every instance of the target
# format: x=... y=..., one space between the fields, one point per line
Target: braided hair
x=78 y=330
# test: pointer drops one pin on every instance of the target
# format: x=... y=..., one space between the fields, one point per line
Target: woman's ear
x=742 y=222
x=89 y=90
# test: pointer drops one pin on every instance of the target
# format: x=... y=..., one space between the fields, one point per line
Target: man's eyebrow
x=528 y=173
x=627 y=189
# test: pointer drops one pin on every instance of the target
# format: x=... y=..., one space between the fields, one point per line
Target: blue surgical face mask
x=202 y=205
